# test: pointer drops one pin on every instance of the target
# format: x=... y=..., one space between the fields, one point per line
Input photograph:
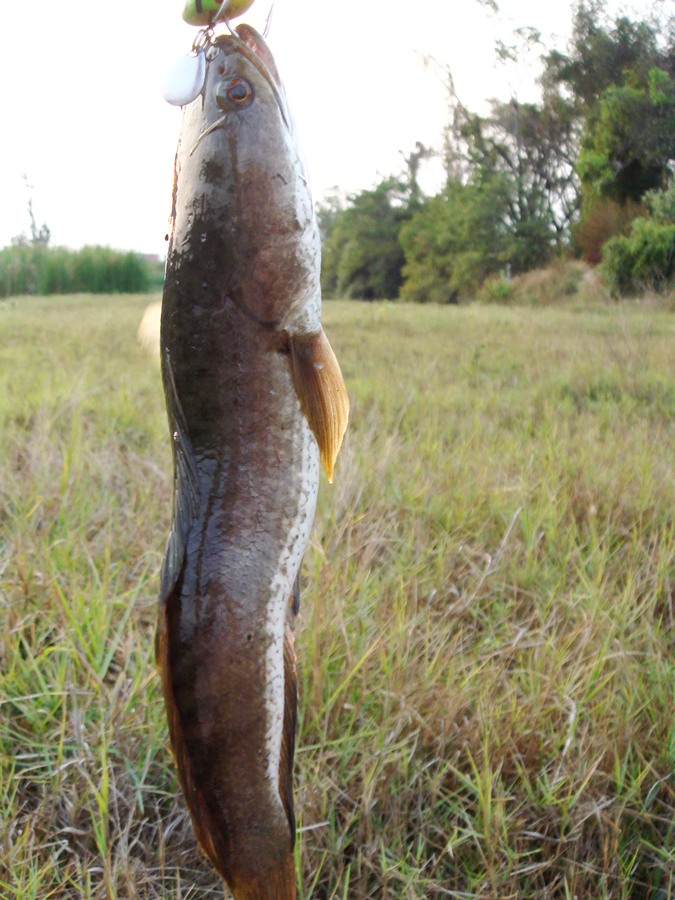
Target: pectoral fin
x=322 y=394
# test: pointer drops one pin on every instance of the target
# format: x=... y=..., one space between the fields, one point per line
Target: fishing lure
x=184 y=81
x=201 y=12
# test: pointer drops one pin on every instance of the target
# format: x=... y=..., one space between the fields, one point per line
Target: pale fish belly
x=280 y=592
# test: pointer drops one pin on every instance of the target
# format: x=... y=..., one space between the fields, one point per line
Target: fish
x=256 y=402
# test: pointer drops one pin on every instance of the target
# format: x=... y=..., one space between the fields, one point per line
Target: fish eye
x=235 y=94
x=238 y=91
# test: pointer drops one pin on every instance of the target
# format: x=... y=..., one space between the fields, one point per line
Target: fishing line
x=268 y=23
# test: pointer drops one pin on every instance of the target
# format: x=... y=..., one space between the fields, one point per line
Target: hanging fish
x=255 y=400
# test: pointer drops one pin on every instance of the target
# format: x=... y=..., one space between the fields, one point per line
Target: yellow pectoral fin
x=322 y=394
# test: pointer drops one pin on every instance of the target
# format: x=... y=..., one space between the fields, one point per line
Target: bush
x=662 y=204
x=557 y=284
x=496 y=290
x=643 y=260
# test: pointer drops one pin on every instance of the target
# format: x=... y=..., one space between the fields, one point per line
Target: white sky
x=83 y=117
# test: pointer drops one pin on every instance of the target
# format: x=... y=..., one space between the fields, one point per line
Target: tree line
x=584 y=171
x=33 y=267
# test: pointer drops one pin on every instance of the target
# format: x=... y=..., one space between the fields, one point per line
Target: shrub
x=562 y=281
x=496 y=290
x=662 y=203
x=645 y=259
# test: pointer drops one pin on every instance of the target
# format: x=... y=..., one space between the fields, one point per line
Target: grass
x=485 y=637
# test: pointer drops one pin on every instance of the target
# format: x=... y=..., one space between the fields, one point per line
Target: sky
x=86 y=132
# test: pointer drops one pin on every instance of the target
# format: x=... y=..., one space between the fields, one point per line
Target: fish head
x=241 y=69
x=243 y=207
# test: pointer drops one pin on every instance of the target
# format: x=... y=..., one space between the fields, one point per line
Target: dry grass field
x=486 y=630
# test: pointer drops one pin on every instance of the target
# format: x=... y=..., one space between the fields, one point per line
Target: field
x=486 y=630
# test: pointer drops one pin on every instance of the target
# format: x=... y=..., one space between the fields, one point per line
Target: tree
x=39 y=236
x=531 y=148
x=518 y=178
x=602 y=53
x=619 y=77
x=629 y=142
x=455 y=241
x=413 y=162
x=362 y=256
x=329 y=212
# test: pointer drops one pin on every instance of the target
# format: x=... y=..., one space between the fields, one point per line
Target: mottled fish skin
x=254 y=399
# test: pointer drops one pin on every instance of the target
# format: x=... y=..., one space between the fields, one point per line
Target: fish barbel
x=255 y=400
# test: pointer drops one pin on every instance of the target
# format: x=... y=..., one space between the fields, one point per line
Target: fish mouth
x=246 y=41
x=256 y=43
